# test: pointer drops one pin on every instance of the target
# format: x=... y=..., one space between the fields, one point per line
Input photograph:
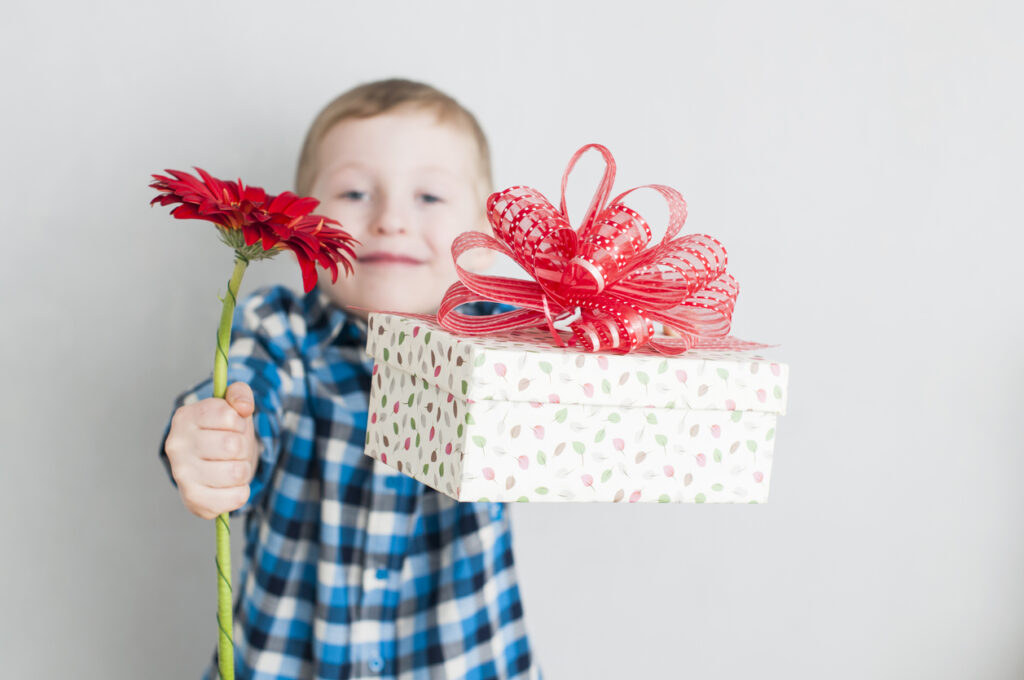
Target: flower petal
x=272 y=221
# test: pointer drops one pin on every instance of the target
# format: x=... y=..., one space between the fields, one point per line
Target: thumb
x=239 y=397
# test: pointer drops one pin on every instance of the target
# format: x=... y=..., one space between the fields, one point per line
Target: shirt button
x=376 y=664
x=495 y=511
x=382 y=574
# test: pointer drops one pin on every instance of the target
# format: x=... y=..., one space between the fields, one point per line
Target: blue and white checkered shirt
x=351 y=569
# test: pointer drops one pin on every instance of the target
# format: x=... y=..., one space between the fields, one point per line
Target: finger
x=239 y=396
x=209 y=503
x=217 y=414
x=222 y=445
x=223 y=474
x=255 y=448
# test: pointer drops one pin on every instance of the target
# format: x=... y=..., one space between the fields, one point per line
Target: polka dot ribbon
x=604 y=284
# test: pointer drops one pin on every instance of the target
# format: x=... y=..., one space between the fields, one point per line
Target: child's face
x=405 y=186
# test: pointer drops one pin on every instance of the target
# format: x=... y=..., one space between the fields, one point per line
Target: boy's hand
x=213 y=453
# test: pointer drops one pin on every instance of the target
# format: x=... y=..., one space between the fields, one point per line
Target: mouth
x=385 y=258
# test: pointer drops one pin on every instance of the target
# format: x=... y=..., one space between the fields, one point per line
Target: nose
x=390 y=218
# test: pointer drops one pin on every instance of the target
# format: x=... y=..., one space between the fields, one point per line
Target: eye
x=430 y=198
x=352 y=195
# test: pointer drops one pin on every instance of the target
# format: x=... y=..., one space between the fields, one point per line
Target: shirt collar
x=339 y=327
x=347 y=330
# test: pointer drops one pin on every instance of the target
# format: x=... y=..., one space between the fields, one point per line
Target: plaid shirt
x=351 y=569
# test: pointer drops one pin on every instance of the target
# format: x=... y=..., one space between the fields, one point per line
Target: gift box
x=517 y=418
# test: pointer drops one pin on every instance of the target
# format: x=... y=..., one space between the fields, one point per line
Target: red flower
x=247 y=215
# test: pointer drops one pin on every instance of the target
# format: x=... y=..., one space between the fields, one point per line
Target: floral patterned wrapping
x=519 y=419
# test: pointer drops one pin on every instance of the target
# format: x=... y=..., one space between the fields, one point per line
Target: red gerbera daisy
x=256 y=224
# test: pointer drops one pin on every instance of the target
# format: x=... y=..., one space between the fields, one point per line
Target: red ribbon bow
x=601 y=282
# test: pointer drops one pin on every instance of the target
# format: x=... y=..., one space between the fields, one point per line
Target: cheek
x=442 y=250
x=352 y=217
x=442 y=233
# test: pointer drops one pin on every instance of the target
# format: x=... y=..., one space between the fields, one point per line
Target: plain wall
x=860 y=160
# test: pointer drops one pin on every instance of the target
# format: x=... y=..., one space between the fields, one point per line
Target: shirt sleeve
x=263 y=353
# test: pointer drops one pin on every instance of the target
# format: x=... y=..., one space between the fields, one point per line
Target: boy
x=352 y=570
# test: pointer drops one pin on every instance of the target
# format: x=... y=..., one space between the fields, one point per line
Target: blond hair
x=382 y=96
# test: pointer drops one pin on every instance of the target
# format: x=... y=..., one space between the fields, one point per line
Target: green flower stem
x=220 y=360
x=225 y=646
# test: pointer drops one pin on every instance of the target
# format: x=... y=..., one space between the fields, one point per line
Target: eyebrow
x=330 y=172
x=436 y=168
x=333 y=170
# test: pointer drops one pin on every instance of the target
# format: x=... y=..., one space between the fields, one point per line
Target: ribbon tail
x=732 y=344
x=551 y=322
x=673 y=346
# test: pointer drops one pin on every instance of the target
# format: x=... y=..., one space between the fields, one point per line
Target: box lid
x=525 y=366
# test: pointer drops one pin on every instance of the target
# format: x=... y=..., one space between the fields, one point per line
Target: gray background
x=860 y=160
